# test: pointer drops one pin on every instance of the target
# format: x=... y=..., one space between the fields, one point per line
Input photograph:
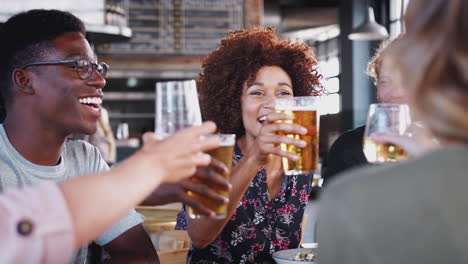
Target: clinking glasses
x=84 y=68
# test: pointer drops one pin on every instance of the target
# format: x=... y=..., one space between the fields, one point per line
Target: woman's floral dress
x=259 y=226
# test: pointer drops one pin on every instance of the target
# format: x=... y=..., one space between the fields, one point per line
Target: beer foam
x=226 y=140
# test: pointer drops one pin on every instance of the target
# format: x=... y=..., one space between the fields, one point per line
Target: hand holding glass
x=386 y=118
x=223 y=153
x=177 y=107
x=303 y=109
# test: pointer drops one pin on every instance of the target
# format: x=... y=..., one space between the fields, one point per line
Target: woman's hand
x=416 y=141
x=269 y=138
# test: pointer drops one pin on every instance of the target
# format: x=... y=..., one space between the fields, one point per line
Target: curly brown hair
x=241 y=54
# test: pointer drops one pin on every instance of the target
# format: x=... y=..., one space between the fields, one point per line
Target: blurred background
x=146 y=41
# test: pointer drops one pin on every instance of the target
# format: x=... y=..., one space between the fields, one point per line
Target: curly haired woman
x=238 y=85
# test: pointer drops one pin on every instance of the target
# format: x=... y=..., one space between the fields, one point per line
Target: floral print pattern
x=260 y=226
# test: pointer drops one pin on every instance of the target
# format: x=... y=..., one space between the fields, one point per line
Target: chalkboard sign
x=177 y=27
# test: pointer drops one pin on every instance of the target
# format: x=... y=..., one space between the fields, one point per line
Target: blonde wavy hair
x=374 y=65
x=433 y=60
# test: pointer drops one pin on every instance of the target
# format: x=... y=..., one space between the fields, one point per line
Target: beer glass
x=304 y=110
x=177 y=107
x=223 y=153
x=385 y=118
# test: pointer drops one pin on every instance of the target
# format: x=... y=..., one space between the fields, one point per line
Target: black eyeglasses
x=84 y=68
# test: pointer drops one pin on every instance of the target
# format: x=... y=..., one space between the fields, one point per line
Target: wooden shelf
x=158 y=219
x=163 y=28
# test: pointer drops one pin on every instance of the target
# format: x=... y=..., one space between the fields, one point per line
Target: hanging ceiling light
x=369 y=29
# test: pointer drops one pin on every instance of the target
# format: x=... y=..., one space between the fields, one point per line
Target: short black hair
x=25 y=38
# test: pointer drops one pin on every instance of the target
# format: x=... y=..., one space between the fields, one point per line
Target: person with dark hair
x=414 y=211
x=237 y=86
x=51 y=84
x=347 y=150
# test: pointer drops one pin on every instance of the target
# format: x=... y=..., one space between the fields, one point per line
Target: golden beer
x=316 y=180
x=309 y=155
x=385 y=118
x=225 y=154
x=376 y=152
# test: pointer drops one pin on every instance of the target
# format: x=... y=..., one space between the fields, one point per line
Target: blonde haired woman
x=413 y=212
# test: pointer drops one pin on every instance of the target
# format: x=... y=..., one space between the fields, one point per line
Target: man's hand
x=177 y=192
x=178 y=156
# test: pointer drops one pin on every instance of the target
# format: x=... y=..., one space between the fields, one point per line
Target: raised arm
x=177 y=192
x=203 y=231
x=50 y=221
x=123 y=187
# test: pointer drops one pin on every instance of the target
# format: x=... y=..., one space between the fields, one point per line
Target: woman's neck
x=273 y=167
x=245 y=142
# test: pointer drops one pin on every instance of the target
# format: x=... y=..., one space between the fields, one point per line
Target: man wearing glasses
x=51 y=84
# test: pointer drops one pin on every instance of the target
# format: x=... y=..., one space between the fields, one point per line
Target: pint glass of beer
x=386 y=118
x=303 y=109
x=223 y=153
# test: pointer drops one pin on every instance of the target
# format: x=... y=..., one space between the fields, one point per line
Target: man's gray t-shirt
x=78 y=158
